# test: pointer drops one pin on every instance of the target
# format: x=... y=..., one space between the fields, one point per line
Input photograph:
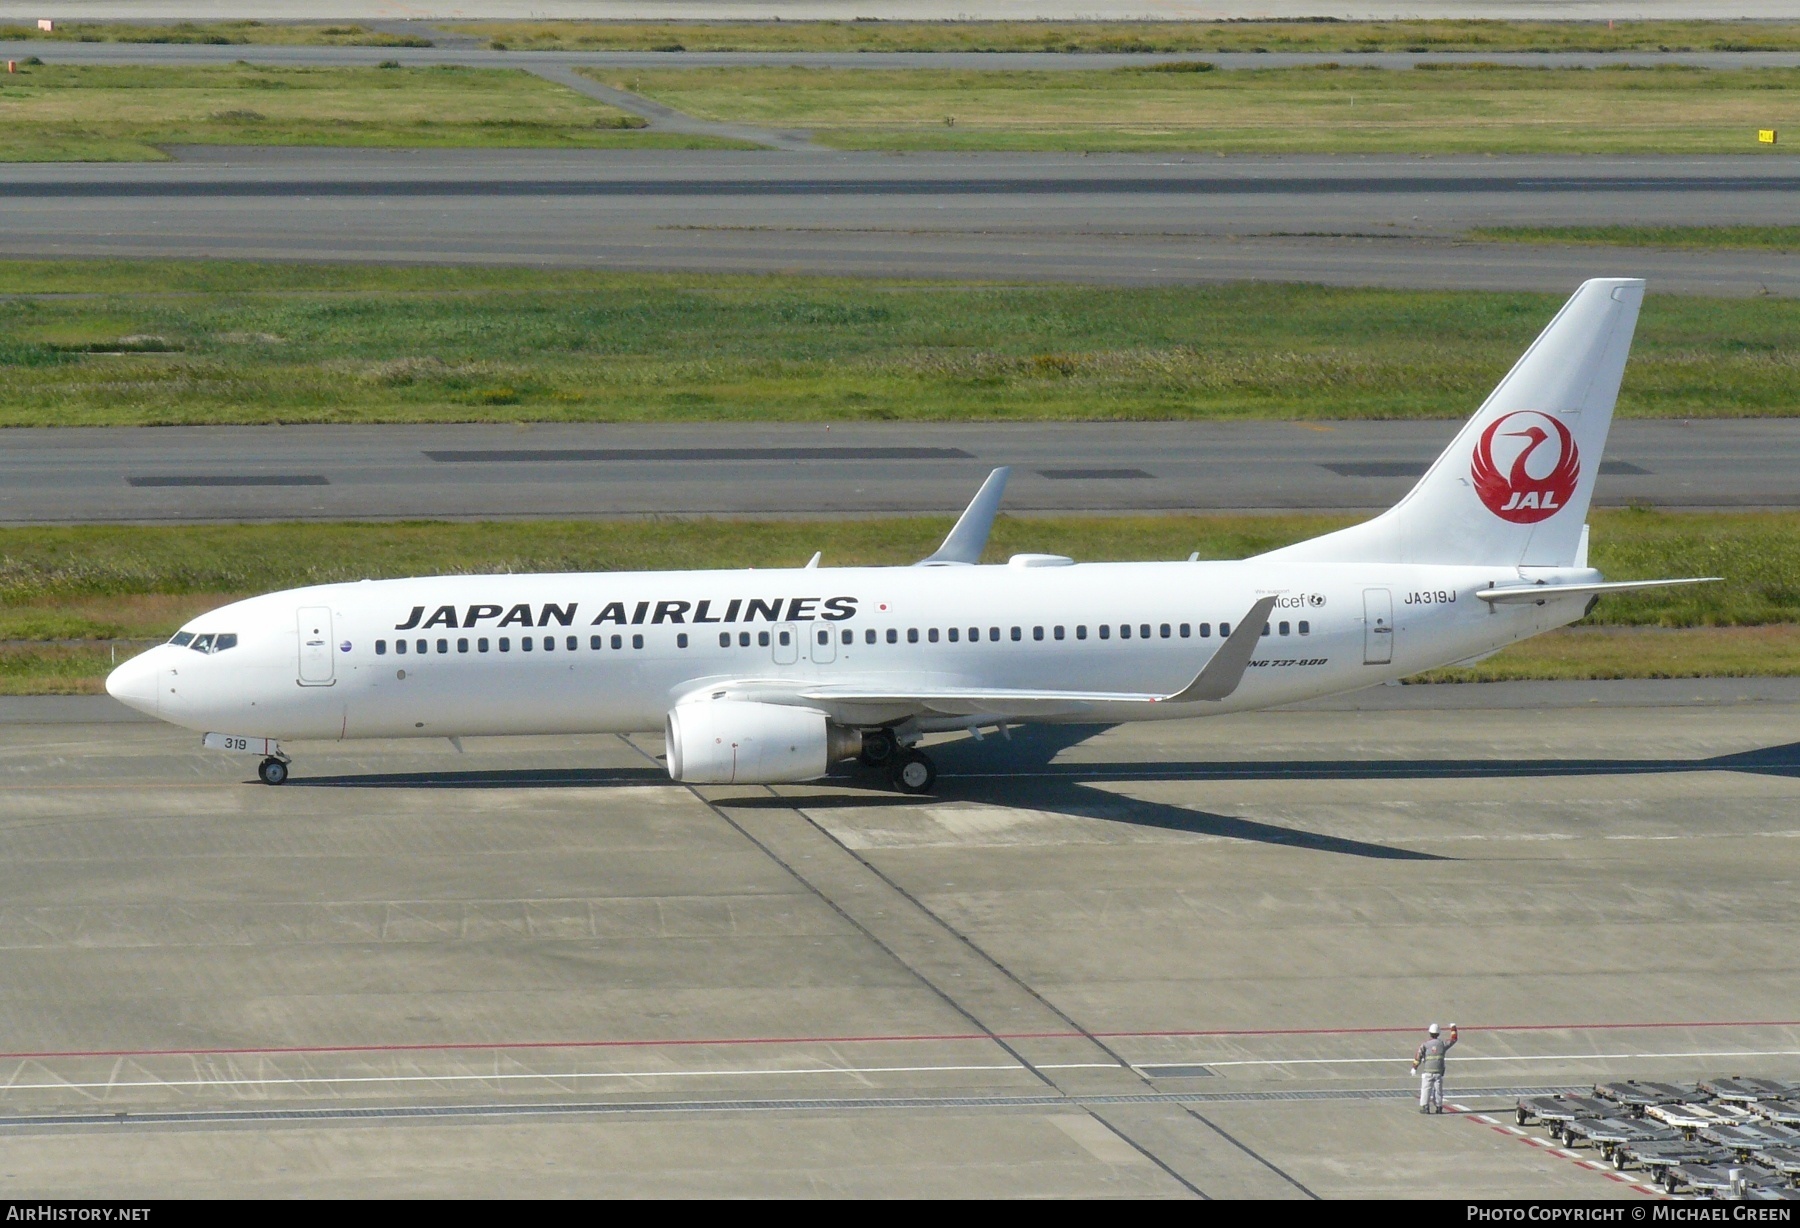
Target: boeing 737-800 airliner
x=767 y=676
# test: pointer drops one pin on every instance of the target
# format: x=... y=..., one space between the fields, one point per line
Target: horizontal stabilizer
x=970 y=536
x=1537 y=594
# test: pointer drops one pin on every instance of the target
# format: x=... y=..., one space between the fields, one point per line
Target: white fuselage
x=327 y=661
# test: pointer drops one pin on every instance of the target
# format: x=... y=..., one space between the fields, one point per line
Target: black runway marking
x=552 y=455
x=250 y=479
x=1067 y=475
x=1416 y=469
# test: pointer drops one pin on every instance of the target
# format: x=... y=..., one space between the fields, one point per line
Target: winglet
x=1221 y=675
x=969 y=538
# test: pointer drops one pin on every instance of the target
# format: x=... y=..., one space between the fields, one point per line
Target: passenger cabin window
x=932 y=635
x=443 y=646
x=974 y=635
x=505 y=644
x=743 y=639
x=893 y=635
x=1186 y=631
x=1265 y=628
x=869 y=636
x=955 y=634
x=993 y=635
x=549 y=643
x=1305 y=627
x=1166 y=631
x=849 y=637
x=1056 y=632
x=1081 y=631
x=596 y=643
x=572 y=643
x=1105 y=631
x=1224 y=630
x=824 y=636
x=1124 y=631
x=421 y=647
x=481 y=645
x=525 y=643
x=1144 y=631
x=786 y=639
x=1037 y=633
x=381 y=648
x=400 y=647
x=637 y=641
x=1206 y=630
x=462 y=645
x=762 y=639
x=724 y=640
x=1017 y=634
x=618 y=641
x=681 y=639
x=1284 y=628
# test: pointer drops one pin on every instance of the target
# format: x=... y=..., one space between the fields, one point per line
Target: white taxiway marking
x=1538 y=1057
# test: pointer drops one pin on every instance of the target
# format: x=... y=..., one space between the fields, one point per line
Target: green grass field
x=106 y=343
x=1329 y=109
x=1137 y=36
x=1687 y=238
x=52 y=113
x=71 y=597
x=261 y=33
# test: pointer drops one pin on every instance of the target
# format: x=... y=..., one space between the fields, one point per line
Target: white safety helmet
x=1433 y=1029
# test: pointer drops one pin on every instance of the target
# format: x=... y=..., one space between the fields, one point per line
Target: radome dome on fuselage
x=765 y=676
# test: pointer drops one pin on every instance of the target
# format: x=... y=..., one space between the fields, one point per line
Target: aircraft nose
x=134 y=683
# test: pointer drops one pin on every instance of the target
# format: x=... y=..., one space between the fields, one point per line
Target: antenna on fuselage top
x=969 y=538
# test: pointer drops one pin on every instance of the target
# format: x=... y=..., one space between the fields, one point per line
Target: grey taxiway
x=1397 y=221
x=1176 y=960
x=197 y=474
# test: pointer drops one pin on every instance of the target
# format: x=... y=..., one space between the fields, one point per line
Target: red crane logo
x=1538 y=481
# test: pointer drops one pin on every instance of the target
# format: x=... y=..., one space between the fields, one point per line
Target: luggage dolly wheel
x=913 y=772
x=1618 y=1158
x=272 y=771
x=1521 y=1114
x=878 y=747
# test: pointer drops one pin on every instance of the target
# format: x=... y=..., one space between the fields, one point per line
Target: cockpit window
x=202 y=643
x=182 y=639
x=224 y=640
x=215 y=642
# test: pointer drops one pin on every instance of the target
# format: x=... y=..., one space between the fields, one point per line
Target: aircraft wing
x=1537 y=594
x=1217 y=679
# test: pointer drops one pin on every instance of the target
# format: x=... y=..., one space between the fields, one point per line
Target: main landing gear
x=272 y=771
x=910 y=771
x=913 y=772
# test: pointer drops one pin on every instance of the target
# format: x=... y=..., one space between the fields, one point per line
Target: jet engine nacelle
x=732 y=742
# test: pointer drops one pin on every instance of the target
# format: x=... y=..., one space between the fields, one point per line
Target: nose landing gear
x=272 y=771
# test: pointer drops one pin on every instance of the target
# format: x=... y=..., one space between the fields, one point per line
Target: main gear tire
x=913 y=772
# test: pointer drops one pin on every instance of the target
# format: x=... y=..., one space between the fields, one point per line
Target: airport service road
x=199 y=474
x=1176 y=960
x=1141 y=219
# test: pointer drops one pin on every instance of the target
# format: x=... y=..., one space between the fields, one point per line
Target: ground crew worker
x=1428 y=1064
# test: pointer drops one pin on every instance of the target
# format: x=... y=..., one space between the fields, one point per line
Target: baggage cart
x=1553 y=1112
x=1739 y=1090
x=1654 y=1157
x=1781 y=1112
x=1783 y=1161
x=1691 y=1117
x=1607 y=1133
x=1638 y=1095
x=1750 y=1137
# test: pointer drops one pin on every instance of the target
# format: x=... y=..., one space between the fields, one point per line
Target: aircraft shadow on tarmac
x=1021 y=771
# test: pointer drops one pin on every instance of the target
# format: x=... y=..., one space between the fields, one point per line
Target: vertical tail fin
x=1513 y=486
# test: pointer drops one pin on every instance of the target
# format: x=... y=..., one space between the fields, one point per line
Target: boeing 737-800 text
x=766 y=676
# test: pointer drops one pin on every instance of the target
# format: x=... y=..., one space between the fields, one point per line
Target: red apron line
x=482 y=1046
